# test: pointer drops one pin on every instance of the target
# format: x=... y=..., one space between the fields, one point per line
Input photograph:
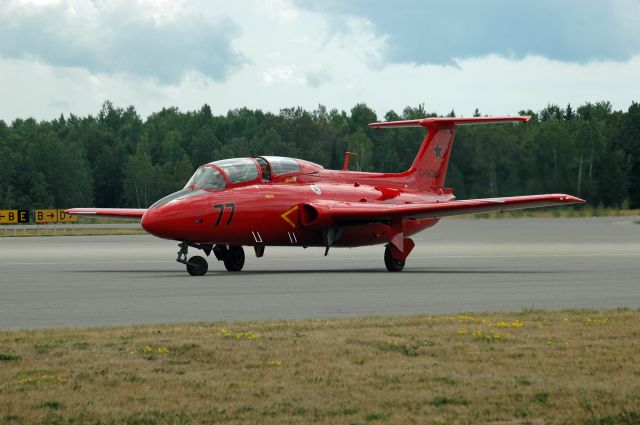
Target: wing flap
x=366 y=212
x=118 y=213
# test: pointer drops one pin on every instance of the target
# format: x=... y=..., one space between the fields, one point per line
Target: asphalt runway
x=459 y=265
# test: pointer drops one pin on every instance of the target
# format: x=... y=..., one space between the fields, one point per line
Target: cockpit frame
x=237 y=172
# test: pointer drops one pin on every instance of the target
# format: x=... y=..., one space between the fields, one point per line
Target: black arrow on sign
x=50 y=215
x=1 y=216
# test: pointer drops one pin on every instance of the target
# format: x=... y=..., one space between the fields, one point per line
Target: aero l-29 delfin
x=278 y=201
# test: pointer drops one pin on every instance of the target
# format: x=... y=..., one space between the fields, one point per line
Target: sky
x=500 y=56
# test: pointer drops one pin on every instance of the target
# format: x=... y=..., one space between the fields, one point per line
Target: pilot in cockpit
x=266 y=171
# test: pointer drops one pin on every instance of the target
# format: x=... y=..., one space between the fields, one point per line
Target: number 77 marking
x=233 y=210
x=221 y=208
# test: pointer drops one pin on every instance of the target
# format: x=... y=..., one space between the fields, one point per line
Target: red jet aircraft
x=278 y=201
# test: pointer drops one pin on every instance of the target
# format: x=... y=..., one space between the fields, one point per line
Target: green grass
x=8 y=357
x=570 y=367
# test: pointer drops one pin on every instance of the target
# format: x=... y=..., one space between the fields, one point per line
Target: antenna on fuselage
x=347 y=157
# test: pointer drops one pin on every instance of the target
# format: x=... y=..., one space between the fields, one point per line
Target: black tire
x=197 y=266
x=392 y=264
x=234 y=260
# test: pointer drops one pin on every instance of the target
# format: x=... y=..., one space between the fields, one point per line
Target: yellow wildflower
x=514 y=324
x=596 y=321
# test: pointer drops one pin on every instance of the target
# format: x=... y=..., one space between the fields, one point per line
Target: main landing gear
x=394 y=258
x=232 y=256
x=393 y=265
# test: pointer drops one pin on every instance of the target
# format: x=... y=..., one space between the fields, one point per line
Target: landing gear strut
x=196 y=266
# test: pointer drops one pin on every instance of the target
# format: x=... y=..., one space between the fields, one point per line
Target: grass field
x=533 y=367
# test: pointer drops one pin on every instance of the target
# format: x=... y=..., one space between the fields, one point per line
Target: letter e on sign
x=23 y=216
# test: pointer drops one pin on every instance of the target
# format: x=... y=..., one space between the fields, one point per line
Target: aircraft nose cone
x=151 y=222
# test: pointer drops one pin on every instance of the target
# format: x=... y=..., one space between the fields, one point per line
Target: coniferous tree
x=116 y=158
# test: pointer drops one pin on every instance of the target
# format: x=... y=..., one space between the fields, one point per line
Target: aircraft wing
x=121 y=213
x=368 y=212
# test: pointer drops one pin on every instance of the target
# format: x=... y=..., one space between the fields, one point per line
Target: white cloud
x=158 y=39
x=296 y=58
x=278 y=73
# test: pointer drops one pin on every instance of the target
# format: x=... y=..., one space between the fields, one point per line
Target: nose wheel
x=196 y=265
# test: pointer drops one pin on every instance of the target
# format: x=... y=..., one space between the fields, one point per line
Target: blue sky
x=499 y=56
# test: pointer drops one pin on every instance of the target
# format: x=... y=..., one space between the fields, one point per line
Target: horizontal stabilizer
x=448 y=122
x=118 y=213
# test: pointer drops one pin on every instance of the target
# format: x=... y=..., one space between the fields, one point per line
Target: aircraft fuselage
x=269 y=213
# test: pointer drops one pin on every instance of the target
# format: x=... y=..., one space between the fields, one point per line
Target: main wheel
x=234 y=260
x=197 y=266
x=392 y=264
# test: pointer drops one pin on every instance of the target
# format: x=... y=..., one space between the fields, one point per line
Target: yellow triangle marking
x=285 y=216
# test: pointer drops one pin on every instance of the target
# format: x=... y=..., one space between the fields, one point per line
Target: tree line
x=118 y=159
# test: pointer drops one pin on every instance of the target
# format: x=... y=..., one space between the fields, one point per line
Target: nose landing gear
x=196 y=266
x=232 y=256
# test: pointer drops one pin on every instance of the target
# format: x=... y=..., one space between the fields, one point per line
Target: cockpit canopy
x=208 y=178
x=216 y=175
x=281 y=165
x=238 y=170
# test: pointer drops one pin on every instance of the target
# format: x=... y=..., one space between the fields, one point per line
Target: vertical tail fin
x=429 y=167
